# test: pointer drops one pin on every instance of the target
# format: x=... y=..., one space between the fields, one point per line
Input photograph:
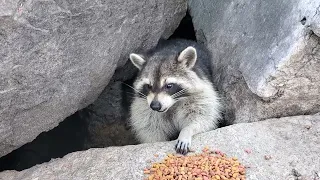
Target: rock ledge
x=292 y=142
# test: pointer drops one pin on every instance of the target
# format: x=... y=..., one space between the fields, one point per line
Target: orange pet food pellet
x=208 y=165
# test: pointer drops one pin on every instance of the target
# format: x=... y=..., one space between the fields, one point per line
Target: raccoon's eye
x=169 y=86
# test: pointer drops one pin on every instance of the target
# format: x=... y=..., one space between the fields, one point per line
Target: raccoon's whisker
x=179 y=93
x=134 y=95
x=135 y=90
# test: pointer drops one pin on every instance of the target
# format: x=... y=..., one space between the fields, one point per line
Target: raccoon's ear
x=188 y=57
x=137 y=60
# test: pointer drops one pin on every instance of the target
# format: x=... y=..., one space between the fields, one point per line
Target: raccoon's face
x=164 y=80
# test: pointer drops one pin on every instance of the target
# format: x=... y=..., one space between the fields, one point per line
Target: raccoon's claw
x=182 y=147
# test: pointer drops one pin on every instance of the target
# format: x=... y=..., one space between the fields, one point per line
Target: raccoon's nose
x=155 y=105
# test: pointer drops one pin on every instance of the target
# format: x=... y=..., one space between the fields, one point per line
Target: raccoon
x=174 y=95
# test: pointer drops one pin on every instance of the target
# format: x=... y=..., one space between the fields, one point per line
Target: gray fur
x=195 y=111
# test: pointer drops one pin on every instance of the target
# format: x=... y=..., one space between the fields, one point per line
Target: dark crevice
x=185 y=29
x=67 y=137
x=296 y=174
x=89 y=127
x=303 y=20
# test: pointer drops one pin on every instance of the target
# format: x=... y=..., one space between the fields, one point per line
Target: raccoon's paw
x=183 y=146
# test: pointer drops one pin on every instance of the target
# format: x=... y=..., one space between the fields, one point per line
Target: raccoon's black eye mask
x=169 y=88
x=172 y=88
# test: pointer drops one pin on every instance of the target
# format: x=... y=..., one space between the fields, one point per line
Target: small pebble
x=267 y=157
x=248 y=151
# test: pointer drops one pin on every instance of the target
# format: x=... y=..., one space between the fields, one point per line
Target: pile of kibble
x=208 y=165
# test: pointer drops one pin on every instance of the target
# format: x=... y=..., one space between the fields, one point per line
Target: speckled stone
x=293 y=143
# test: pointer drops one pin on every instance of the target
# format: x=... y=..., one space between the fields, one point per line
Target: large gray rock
x=267 y=54
x=292 y=142
x=56 y=57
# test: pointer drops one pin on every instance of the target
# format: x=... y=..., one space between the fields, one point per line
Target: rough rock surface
x=267 y=55
x=292 y=142
x=56 y=57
